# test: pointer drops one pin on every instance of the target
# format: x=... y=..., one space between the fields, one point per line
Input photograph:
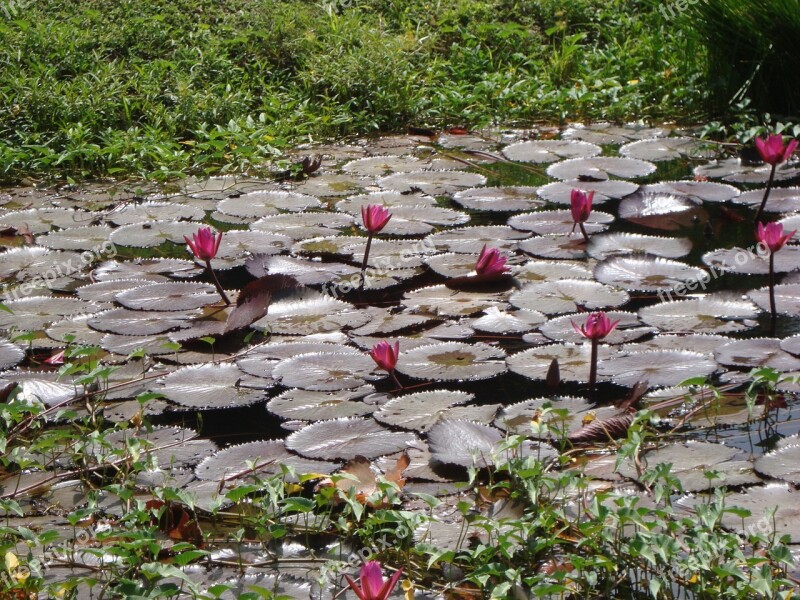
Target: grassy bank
x=162 y=87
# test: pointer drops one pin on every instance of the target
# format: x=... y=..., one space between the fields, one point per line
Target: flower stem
x=766 y=193
x=396 y=380
x=773 y=312
x=593 y=368
x=364 y=262
x=214 y=279
x=583 y=231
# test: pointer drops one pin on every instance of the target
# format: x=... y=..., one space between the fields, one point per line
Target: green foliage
x=752 y=52
x=160 y=88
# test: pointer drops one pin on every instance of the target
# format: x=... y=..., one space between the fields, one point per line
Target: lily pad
x=421 y=410
x=647 y=273
x=498 y=199
x=614 y=244
x=443 y=301
x=573 y=361
x=347 y=438
x=667 y=212
x=548 y=151
x=567 y=295
x=207 y=386
x=559 y=221
x=307 y=405
x=263 y=203
x=434 y=183
x=470 y=240
x=168 y=296
x=452 y=361
x=708 y=315
x=561 y=328
x=787 y=298
x=600 y=168
x=560 y=192
x=657 y=367
x=668 y=148
x=759 y=352
x=325 y=371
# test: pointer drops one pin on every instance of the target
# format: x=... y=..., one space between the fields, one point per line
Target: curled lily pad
x=787 y=298
x=707 y=315
x=558 y=221
x=668 y=148
x=692 y=460
x=497 y=321
x=261 y=459
x=783 y=462
x=307 y=405
x=567 y=295
x=443 y=301
x=613 y=244
x=657 y=367
x=150 y=235
x=560 y=192
x=263 y=203
x=600 y=168
x=421 y=410
x=759 y=352
x=498 y=199
x=452 y=361
x=629 y=328
x=661 y=211
x=573 y=361
x=168 y=296
x=647 y=273
x=207 y=386
x=548 y=151
x=753 y=260
x=324 y=371
x=347 y=438
x=470 y=240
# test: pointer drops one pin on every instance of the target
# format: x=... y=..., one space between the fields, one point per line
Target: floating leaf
x=76 y=238
x=752 y=261
x=573 y=361
x=560 y=192
x=452 y=361
x=787 y=298
x=42 y=220
x=699 y=191
x=265 y=458
x=136 y=322
x=760 y=352
x=168 y=296
x=735 y=171
x=10 y=354
x=441 y=300
x=470 y=240
x=255 y=298
x=144 y=268
x=600 y=168
x=347 y=438
x=608 y=134
x=306 y=405
x=171 y=447
x=560 y=246
x=615 y=244
x=150 y=235
x=207 y=386
x=496 y=321
x=707 y=314
x=661 y=211
x=498 y=199
x=567 y=414
x=692 y=460
x=324 y=371
x=667 y=148
x=390 y=199
x=35 y=313
x=313 y=313
x=567 y=295
x=419 y=411
x=263 y=203
x=299 y=226
x=647 y=273
x=375 y=166
x=559 y=221
x=536 y=271
x=127 y=214
x=548 y=151
x=657 y=367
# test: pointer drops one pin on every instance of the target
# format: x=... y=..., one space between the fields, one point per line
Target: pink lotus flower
x=204 y=244
x=772 y=149
x=373 y=587
x=580 y=205
x=772 y=236
x=597 y=326
x=491 y=263
x=375 y=217
x=385 y=355
x=55 y=359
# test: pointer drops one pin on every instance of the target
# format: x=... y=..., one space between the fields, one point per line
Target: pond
x=102 y=272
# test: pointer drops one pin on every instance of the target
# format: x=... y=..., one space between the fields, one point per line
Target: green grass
x=164 y=87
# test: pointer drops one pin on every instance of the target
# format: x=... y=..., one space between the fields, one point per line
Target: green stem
x=766 y=193
x=593 y=368
x=773 y=311
x=364 y=262
x=214 y=279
